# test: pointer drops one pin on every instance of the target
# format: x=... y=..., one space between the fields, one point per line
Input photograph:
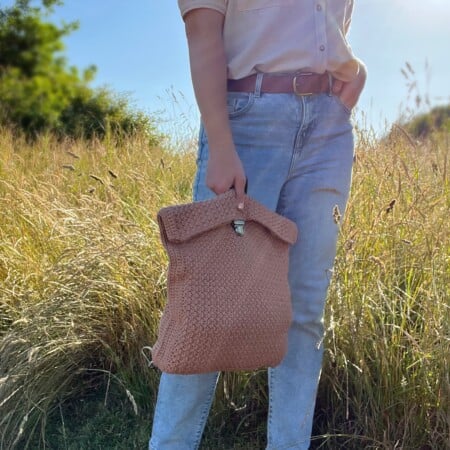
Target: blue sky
x=139 y=48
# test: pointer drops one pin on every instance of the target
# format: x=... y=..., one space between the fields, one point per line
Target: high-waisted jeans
x=297 y=154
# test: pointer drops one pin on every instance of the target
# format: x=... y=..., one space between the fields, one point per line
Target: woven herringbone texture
x=228 y=305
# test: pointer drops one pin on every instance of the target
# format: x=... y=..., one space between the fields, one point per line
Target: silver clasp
x=238 y=226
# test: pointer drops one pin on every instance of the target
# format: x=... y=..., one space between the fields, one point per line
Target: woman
x=275 y=82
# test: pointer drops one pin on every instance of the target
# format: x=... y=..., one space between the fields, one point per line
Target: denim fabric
x=297 y=153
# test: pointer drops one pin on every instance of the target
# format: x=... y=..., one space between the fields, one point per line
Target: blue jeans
x=297 y=154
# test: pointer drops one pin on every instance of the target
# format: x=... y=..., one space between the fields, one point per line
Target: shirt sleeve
x=188 y=5
x=348 y=16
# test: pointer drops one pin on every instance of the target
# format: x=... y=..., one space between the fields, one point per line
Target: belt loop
x=258 y=84
x=330 y=84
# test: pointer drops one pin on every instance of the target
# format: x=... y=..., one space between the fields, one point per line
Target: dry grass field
x=82 y=286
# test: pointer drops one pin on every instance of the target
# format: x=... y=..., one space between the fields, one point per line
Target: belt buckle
x=294 y=84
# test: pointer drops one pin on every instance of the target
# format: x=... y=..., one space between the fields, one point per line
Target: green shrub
x=436 y=119
x=40 y=93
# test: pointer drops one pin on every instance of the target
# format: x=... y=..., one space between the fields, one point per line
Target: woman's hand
x=224 y=171
x=349 y=92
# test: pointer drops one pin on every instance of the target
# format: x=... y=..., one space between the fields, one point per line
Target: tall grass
x=82 y=285
x=81 y=270
x=386 y=379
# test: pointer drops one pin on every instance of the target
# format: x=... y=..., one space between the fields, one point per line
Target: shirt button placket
x=321 y=33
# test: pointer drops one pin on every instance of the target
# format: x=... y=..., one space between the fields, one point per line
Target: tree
x=40 y=92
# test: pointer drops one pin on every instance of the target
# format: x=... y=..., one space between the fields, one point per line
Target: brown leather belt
x=300 y=83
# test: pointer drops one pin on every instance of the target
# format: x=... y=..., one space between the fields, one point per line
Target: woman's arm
x=204 y=28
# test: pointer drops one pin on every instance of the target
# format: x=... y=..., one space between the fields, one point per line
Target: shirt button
x=322 y=48
x=319 y=7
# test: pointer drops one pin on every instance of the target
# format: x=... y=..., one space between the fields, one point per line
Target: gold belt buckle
x=294 y=84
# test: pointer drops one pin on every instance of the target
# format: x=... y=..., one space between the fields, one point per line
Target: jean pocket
x=238 y=103
x=250 y=5
x=342 y=105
